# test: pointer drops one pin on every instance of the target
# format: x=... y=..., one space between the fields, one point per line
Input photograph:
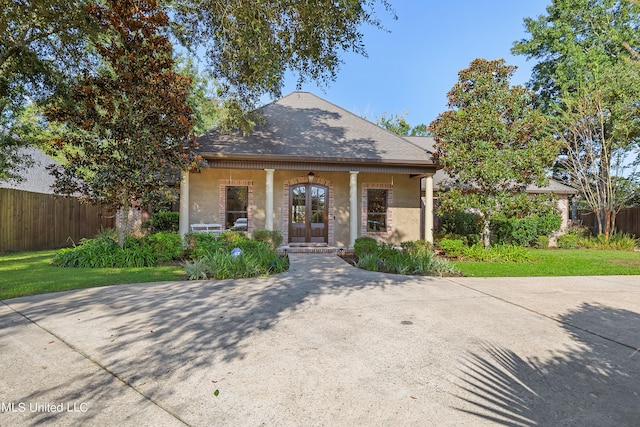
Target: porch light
x=310 y=177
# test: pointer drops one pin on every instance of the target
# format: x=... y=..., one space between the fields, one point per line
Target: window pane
x=298 y=204
x=377 y=210
x=237 y=207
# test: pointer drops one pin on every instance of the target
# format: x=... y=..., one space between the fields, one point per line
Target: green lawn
x=30 y=273
x=559 y=262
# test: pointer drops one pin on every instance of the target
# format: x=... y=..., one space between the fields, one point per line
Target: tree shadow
x=143 y=333
x=594 y=382
x=312 y=132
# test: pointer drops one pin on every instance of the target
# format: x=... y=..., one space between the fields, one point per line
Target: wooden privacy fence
x=34 y=221
x=627 y=221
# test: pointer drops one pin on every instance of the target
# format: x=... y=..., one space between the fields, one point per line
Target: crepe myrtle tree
x=492 y=143
x=129 y=122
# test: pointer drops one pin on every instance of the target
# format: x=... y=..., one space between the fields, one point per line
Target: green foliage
x=129 y=120
x=251 y=46
x=165 y=221
x=588 y=84
x=460 y=222
x=397 y=124
x=477 y=252
x=365 y=245
x=414 y=257
x=197 y=269
x=524 y=231
x=576 y=40
x=368 y=261
x=452 y=248
x=497 y=253
x=104 y=252
x=567 y=241
x=417 y=247
x=615 y=242
x=492 y=142
x=273 y=238
x=43 y=43
x=166 y=246
x=257 y=257
x=542 y=242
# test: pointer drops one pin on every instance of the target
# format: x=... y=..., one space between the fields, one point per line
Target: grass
x=565 y=262
x=30 y=273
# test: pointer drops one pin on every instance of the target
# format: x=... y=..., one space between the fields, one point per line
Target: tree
x=397 y=124
x=41 y=43
x=251 y=45
x=589 y=87
x=492 y=143
x=130 y=122
x=576 y=42
x=592 y=159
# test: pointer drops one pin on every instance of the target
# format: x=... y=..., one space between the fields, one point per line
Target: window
x=377 y=204
x=236 y=207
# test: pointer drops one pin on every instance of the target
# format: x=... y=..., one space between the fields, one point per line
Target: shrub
x=524 y=231
x=365 y=245
x=368 y=261
x=568 y=241
x=166 y=246
x=165 y=221
x=615 y=242
x=461 y=223
x=542 y=242
x=497 y=253
x=440 y=267
x=416 y=247
x=198 y=269
x=452 y=248
x=272 y=238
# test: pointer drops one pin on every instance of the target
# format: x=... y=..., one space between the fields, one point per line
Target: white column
x=184 y=203
x=353 y=207
x=268 y=208
x=428 y=209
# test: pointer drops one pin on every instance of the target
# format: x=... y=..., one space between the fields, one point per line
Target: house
x=316 y=172
x=320 y=175
x=561 y=191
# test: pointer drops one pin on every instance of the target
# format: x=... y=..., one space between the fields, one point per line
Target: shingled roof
x=36 y=177
x=302 y=126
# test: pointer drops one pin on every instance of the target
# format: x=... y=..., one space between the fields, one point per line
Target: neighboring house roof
x=36 y=178
x=302 y=126
x=428 y=143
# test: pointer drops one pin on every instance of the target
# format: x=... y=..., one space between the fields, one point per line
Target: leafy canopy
x=491 y=142
x=130 y=122
x=41 y=43
x=251 y=45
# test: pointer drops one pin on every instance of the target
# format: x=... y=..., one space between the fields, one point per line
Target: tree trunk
x=124 y=223
x=607 y=223
x=486 y=233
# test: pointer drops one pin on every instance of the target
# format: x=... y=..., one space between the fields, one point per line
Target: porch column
x=353 y=207
x=268 y=208
x=428 y=209
x=184 y=203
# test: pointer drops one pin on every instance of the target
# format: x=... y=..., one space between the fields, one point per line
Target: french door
x=308 y=215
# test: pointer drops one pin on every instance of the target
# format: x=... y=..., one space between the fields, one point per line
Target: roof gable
x=304 y=126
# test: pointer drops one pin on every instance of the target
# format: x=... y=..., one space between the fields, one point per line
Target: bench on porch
x=207 y=228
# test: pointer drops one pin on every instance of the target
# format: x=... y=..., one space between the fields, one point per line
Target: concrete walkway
x=326 y=344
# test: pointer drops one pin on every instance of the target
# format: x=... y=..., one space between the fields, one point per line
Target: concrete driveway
x=326 y=344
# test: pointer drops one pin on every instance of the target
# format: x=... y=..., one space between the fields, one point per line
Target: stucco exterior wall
x=206 y=201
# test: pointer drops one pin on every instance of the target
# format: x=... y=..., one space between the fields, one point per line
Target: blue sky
x=411 y=68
